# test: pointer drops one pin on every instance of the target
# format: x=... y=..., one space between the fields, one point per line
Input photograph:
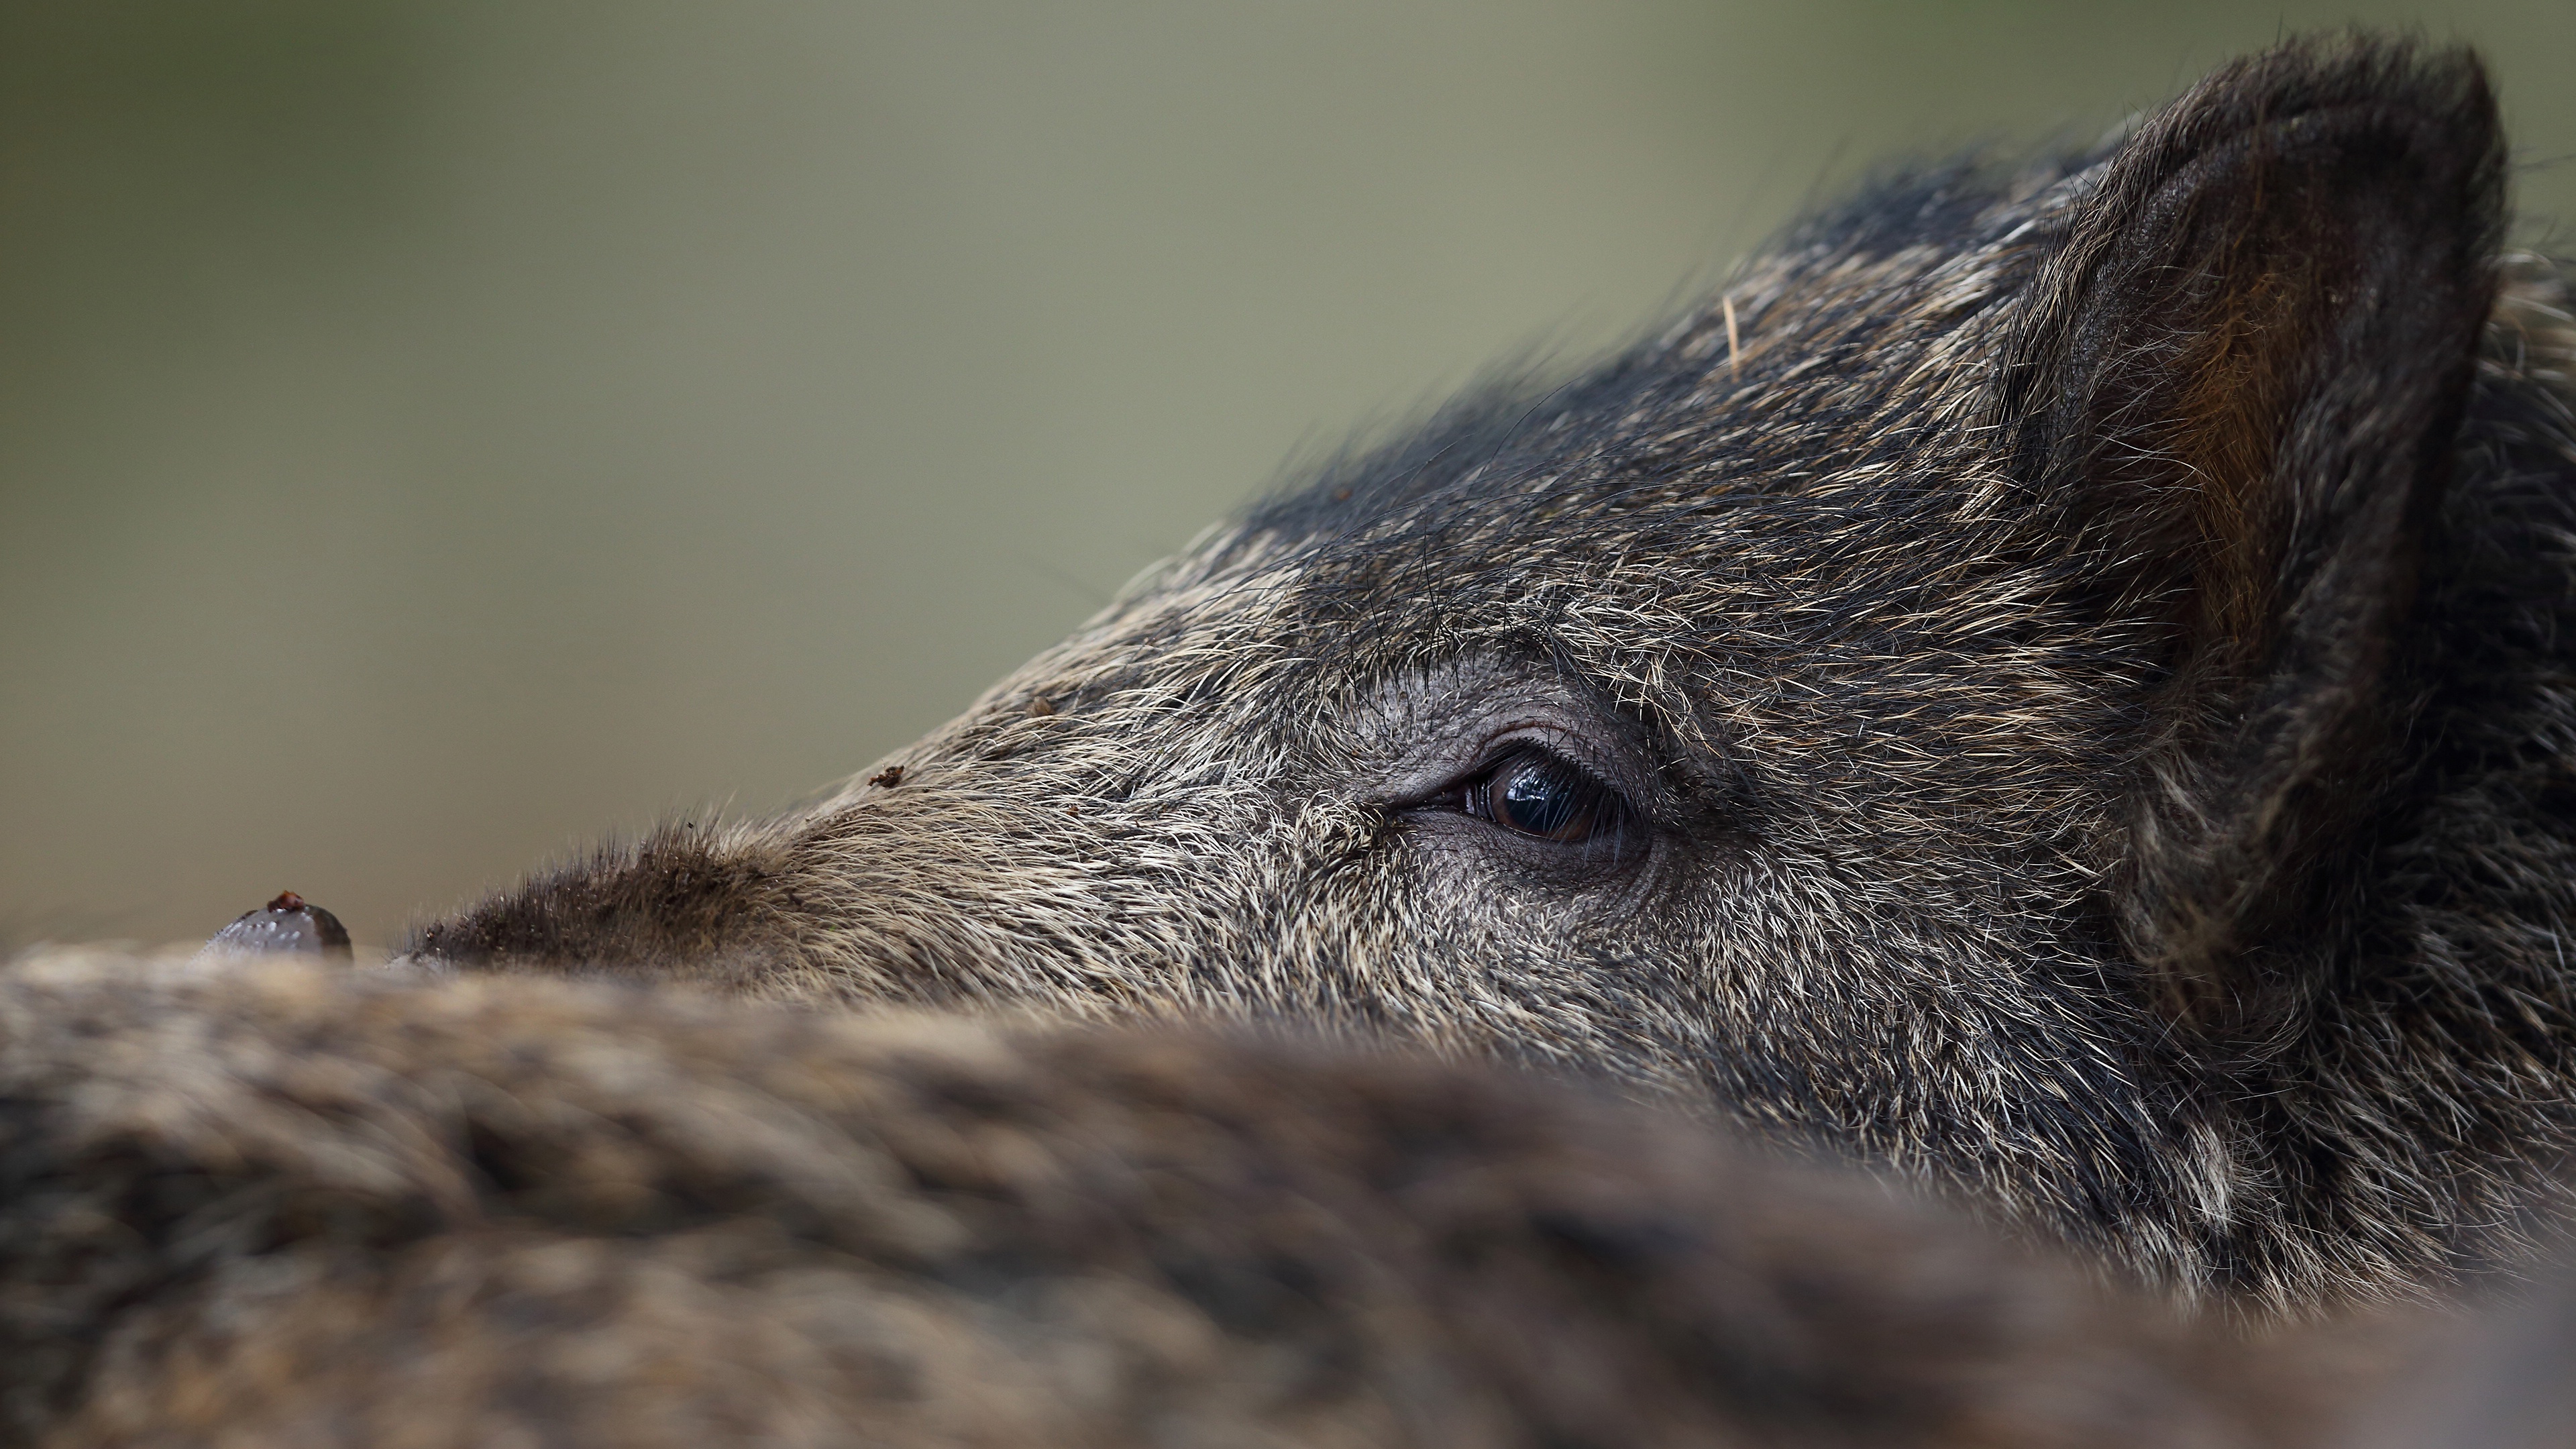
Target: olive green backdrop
x=433 y=435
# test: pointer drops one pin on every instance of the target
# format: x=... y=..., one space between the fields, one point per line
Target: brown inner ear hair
x=2203 y=369
x=2240 y=377
x=2225 y=437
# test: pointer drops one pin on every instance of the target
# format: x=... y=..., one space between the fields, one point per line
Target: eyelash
x=1540 y=795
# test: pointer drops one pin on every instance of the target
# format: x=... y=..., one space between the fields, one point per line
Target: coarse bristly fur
x=2067 y=673
x=270 y=1204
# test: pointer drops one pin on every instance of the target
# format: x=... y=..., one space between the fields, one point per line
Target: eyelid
x=1511 y=742
x=1461 y=740
x=1554 y=741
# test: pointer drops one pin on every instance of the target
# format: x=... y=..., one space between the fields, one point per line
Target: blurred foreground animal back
x=282 y=1204
x=275 y=1204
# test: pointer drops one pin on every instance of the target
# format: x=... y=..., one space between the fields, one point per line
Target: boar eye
x=1532 y=792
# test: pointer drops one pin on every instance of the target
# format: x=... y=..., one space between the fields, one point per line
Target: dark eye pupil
x=1542 y=802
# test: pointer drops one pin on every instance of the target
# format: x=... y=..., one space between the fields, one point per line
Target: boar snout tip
x=288 y=925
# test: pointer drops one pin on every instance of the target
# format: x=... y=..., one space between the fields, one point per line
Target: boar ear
x=2242 y=375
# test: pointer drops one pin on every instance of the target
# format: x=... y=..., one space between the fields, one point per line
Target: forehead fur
x=1808 y=376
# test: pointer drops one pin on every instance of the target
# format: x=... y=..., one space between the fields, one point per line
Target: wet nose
x=289 y=924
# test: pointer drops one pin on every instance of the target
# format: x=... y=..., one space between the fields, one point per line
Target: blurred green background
x=433 y=435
